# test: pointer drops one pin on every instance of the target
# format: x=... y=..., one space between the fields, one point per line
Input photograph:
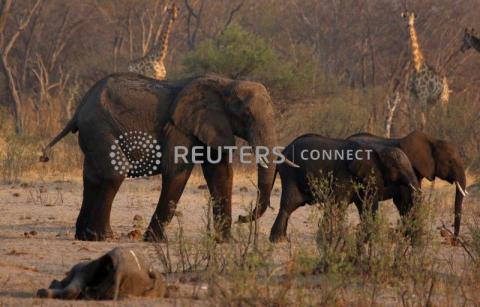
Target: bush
x=238 y=53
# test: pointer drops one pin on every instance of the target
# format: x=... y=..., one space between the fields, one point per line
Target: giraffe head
x=468 y=38
x=173 y=11
x=410 y=17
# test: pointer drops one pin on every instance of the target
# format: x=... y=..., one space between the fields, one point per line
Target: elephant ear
x=366 y=166
x=199 y=110
x=417 y=147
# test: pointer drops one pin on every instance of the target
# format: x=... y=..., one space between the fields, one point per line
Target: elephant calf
x=348 y=162
x=120 y=273
x=431 y=158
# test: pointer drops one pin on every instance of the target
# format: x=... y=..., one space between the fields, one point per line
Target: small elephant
x=120 y=273
x=430 y=158
x=319 y=157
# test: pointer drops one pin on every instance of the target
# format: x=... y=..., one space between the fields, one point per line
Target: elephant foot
x=277 y=238
x=89 y=234
x=154 y=236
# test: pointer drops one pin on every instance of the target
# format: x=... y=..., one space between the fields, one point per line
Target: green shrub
x=239 y=53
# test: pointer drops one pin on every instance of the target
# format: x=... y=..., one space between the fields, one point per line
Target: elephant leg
x=290 y=200
x=403 y=200
x=88 y=199
x=361 y=208
x=173 y=186
x=100 y=184
x=365 y=227
x=93 y=222
x=219 y=179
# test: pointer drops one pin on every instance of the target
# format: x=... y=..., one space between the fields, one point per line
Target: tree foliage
x=238 y=53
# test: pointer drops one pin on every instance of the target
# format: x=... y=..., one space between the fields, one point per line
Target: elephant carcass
x=120 y=273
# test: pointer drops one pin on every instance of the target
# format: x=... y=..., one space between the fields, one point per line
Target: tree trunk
x=12 y=88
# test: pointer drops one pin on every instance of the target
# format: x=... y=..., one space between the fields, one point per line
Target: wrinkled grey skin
x=430 y=158
x=120 y=273
x=208 y=110
x=385 y=166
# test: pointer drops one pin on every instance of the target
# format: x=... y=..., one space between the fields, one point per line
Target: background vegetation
x=331 y=65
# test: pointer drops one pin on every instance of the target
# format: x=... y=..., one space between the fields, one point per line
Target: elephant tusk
x=262 y=163
x=290 y=163
x=459 y=187
x=413 y=188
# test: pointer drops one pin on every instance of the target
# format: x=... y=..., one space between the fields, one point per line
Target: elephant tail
x=70 y=127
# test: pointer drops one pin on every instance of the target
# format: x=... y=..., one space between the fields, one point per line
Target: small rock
x=61 y=235
x=16 y=194
x=30 y=234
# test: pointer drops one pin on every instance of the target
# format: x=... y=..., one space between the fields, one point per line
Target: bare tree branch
x=5 y=10
x=192 y=33
x=232 y=14
x=12 y=84
x=22 y=25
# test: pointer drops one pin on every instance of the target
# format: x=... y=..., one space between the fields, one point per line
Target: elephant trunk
x=460 y=184
x=262 y=140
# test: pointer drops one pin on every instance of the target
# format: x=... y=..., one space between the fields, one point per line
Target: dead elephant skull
x=122 y=272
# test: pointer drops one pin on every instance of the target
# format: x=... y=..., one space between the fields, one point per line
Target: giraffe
x=470 y=41
x=152 y=64
x=427 y=86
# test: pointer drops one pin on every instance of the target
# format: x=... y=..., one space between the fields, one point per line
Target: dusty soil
x=37 y=226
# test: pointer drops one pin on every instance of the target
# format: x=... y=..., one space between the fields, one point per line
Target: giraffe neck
x=418 y=59
x=160 y=51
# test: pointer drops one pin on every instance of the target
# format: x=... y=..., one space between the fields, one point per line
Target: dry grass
x=331 y=259
x=385 y=269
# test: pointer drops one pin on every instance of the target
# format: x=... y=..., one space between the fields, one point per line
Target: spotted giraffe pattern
x=152 y=64
x=427 y=86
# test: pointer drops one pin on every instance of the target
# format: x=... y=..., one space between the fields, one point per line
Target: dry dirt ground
x=37 y=232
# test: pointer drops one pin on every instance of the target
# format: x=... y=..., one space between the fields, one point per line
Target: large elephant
x=430 y=158
x=350 y=164
x=203 y=111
